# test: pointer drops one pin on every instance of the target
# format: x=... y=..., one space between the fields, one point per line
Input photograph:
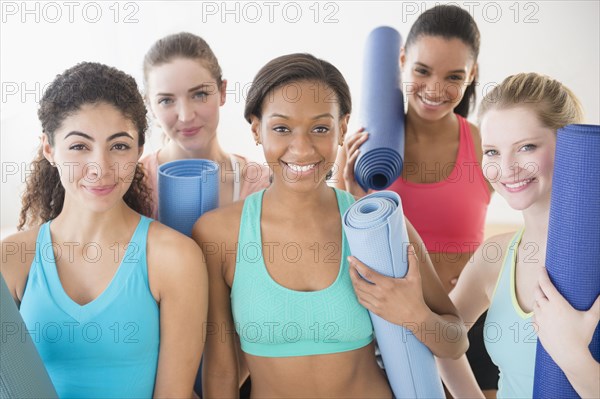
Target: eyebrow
x=527 y=140
x=428 y=67
x=87 y=136
x=325 y=115
x=195 y=88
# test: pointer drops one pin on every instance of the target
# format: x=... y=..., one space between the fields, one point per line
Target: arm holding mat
x=559 y=323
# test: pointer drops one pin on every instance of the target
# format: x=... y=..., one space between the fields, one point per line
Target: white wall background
x=41 y=39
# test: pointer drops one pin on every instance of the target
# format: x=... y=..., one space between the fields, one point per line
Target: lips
x=101 y=190
x=189 y=131
x=303 y=167
x=518 y=186
x=430 y=102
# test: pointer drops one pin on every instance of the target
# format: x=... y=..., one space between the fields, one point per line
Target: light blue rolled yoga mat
x=376 y=232
x=22 y=373
x=573 y=251
x=187 y=188
x=382 y=112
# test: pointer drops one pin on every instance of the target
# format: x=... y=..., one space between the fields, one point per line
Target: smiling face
x=518 y=156
x=300 y=130
x=436 y=73
x=96 y=152
x=185 y=99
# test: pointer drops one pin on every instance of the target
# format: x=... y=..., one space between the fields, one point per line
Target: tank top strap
x=249 y=234
x=504 y=281
x=344 y=199
x=43 y=243
x=466 y=151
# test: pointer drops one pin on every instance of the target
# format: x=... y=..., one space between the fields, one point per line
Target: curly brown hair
x=85 y=83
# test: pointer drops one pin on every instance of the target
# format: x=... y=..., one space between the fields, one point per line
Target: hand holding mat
x=22 y=372
x=187 y=188
x=382 y=112
x=573 y=246
x=376 y=233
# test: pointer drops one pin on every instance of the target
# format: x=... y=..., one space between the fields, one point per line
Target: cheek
x=491 y=171
x=454 y=91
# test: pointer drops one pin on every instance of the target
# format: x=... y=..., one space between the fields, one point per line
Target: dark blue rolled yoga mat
x=22 y=372
x=187 y=188
x=376 y=233
x=382 y=112
x=573 y=251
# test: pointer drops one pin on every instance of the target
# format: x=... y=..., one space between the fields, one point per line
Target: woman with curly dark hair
x=103 y=289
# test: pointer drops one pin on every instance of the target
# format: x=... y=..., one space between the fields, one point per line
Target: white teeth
x=301 y=168
x=519 y=184
x=429 y=102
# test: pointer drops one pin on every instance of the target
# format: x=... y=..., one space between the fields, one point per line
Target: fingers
x=355 y=142
x=365 y=271
x=547 y=287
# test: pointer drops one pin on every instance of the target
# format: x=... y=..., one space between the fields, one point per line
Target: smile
x=518 y=185
x=429 y=102
x=301 y=168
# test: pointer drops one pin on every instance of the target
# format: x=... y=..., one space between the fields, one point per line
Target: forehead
x=439 y=52
x=180 y=74
x=299 y=99
x=511 y=125
x=97 y=120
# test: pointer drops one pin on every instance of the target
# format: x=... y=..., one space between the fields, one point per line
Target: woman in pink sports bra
x=443 y=191
x=184 y=91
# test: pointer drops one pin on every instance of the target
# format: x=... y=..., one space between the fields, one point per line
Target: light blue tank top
x=274 y=321
x=107 y=348
x=509 y=333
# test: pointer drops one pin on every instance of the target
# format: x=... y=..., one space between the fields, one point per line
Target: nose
x=185 y=111
x=98 y=166
x=302 y=145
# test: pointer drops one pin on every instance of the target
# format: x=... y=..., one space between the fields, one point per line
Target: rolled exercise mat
x=22 y=372
x=382 y=112
x=187 y=188
x=376 y=233
x=573 y=251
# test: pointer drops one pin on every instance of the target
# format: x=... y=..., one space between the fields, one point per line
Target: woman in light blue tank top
x=280 y=280
x=103 y=290
x=519 y=120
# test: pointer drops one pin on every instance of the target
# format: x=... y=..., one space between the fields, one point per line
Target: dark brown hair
x=85 y=83
x=296 y=68
x=450 y=22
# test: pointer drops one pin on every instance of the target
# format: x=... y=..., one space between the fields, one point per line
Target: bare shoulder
x=18 y=252
x=168 y=246
x=220 y=224
x=487 y=261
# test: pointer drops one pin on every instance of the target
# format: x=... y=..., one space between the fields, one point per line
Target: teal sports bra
x=275 y=321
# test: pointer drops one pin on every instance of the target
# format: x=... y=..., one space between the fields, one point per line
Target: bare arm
x=219 y=371
x=182 y=281
x=471 y=296
x=417 y=301
x=566 y=334
x=17 y=253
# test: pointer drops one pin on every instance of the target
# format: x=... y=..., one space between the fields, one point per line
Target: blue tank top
x=509 y=333
x=275 y=321
x=107 y=348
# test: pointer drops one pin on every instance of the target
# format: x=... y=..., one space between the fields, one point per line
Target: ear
x=223 y=92
x=47 y=149
x=402 y=58
x=255 y=127
x=343 y=128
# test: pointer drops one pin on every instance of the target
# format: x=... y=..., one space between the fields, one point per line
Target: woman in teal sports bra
x=278 y=262
x=104 y=289
x=506 y=276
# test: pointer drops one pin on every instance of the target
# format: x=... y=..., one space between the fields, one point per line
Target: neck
x=213 y=151
x=76 y=225
x=424 y=129
x=296 y=204
x=536 y=219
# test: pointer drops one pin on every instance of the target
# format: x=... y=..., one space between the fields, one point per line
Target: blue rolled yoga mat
x=382 y=112
x=376 y=232
x=22 y=373
x=187 y=188
x=573 y=251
